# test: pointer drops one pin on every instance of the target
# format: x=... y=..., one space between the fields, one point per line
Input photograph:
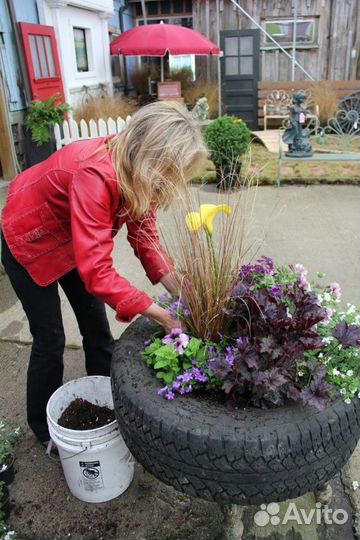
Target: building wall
x=9 y=63
x=335 y=57
x=26 y=11
x=92 y=16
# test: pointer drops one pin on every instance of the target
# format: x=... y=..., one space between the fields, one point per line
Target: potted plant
x=4 y=504
x=228 y=139
x=41 y=116
x=7 y=441
x=262 y=391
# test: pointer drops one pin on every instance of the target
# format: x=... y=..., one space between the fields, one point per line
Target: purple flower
x=276 y=290
x=186 y=377
x=230 y=356
x=163 y=298
x=300 y=269
x=162 y=391
x=241 y=341
x=199 y=375
x=176 y=386
x=178 y=339
x=170 y=395
x=335 y=289
x=147 y=342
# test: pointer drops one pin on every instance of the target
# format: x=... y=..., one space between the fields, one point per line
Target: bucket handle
x=86 y=446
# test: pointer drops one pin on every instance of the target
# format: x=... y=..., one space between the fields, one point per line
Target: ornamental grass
x=209 y=252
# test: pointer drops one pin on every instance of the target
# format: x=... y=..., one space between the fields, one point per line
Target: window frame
x=86 y=32
x=313 y=44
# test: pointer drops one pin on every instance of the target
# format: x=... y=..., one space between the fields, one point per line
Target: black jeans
x=43 y=310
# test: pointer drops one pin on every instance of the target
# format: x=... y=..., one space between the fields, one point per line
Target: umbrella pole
x=162 y=69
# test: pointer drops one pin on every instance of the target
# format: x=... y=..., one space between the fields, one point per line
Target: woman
x=58 y=226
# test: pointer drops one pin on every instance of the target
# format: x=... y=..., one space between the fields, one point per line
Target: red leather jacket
x=63 y=214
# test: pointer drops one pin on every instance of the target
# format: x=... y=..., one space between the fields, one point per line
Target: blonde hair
x=158 y=152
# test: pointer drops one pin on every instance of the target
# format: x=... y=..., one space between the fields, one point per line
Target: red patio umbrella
x=158 y=39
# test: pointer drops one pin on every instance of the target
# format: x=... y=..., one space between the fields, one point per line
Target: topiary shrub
x=227 y=138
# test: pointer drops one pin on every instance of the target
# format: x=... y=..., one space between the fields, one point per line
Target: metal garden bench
x=342 y=131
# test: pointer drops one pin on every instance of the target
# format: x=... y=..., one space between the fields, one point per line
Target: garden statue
x=201 y=109
x=296 y=135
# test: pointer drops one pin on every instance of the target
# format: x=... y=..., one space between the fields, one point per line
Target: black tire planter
x=249 y=456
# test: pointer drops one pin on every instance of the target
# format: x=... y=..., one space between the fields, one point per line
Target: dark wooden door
x=240 y=74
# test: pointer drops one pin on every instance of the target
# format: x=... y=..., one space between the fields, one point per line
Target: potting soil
x=81 y=415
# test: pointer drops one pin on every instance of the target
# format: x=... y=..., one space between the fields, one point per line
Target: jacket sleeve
x=144 y=239
x=92 y=226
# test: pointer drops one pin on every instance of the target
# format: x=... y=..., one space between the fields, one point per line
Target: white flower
x=347 y=401
x=328 y=339
x=321 y=355
x=343 y=391
x=349 y=373
x=10 y=535
x=357 y=319
x=355 y=485
x=336 y=372
x=301 y=373
x=327 y=297
x=351 y=310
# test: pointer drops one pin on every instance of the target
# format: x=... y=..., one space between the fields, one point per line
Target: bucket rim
x=72 y=431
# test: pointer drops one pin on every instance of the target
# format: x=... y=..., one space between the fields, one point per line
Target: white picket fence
x=69 y=130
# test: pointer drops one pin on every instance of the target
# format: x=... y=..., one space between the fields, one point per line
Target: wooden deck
x=269 y=138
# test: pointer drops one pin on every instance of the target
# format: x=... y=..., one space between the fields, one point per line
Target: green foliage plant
x=43 y=114
x=228 y=138
x=7 y=441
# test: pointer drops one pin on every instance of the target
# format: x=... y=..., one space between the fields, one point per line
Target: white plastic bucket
x=96 y=462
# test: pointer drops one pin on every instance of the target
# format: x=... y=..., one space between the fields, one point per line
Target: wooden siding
x=336 y=57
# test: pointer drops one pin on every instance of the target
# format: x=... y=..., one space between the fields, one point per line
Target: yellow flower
x=205 y=217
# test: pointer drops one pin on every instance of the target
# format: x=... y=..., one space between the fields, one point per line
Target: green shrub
x=227 y=138
x=41 y=115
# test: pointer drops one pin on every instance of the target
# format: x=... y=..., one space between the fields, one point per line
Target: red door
x=42 y=61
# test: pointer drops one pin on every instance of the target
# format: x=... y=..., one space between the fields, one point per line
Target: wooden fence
x=341 y=88
x=69 y=130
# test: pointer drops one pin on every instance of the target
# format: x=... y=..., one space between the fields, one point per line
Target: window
x=165 y=7
x=82 y=62
x=282 y=30
x=42 y=56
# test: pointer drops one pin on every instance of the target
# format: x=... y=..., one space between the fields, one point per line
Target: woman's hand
x=163 y=317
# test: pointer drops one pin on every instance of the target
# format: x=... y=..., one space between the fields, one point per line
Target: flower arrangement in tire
x=258 y=400
x=38 y=124
x=228 y=139
x=7 y=441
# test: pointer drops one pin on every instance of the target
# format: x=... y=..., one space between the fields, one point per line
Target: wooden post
x=7 y=150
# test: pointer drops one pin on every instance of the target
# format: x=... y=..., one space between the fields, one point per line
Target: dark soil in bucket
x=81 y=415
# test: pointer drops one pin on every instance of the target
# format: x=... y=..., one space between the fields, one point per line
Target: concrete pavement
x=315 y=225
